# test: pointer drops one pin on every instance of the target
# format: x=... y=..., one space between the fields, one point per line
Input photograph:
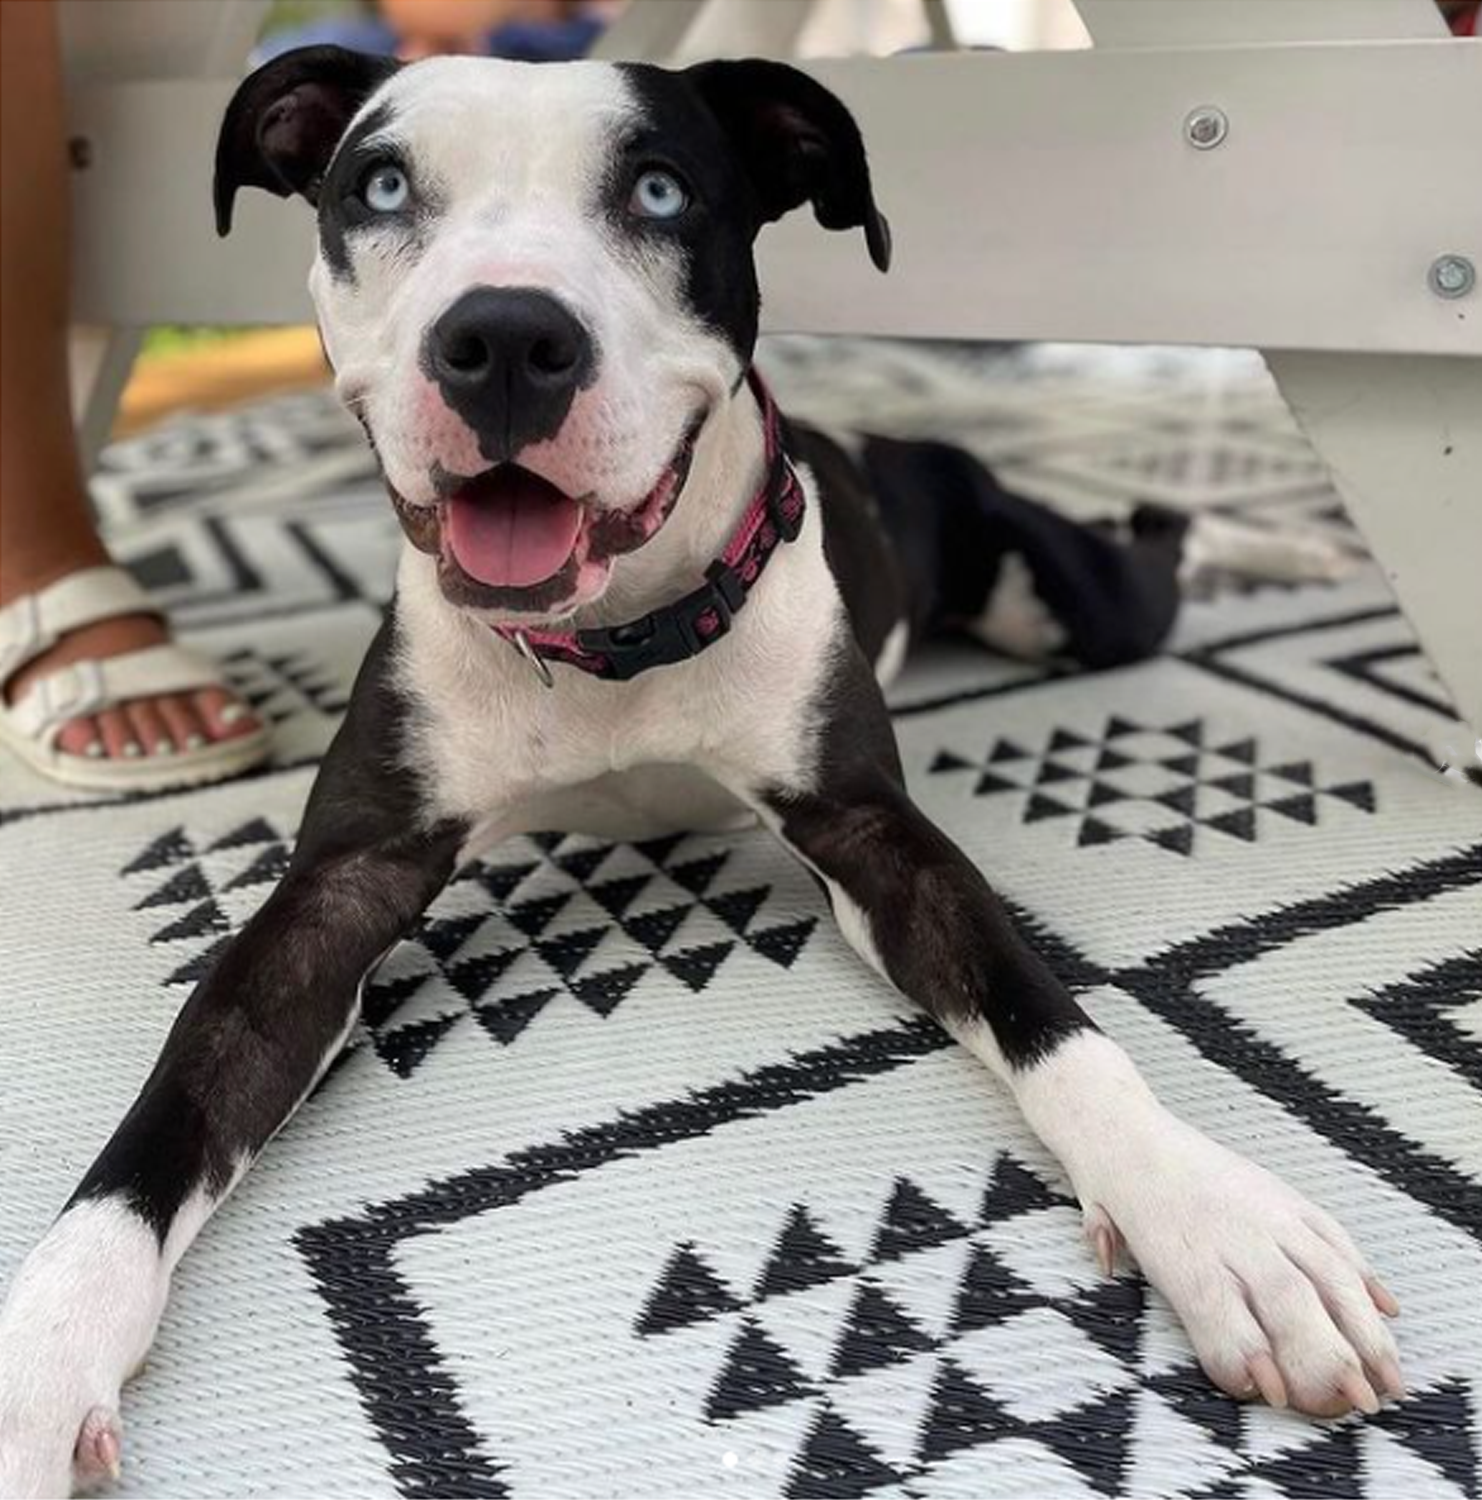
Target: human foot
x=142 y=726
x=97 y=695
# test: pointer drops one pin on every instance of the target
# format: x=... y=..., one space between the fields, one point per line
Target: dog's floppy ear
x=798 y=143
x=286 y=119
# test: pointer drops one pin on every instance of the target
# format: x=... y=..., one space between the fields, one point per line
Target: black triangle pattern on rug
x=876 y=1330
x=1094 y=1440
x=946 y=760
x=1179 y=839
x=1229 y=1488
x=1430 y=1423
x=267 y=869
x=1191 y=1393
x=382 y=997
x=603 y=993
x=990 y=781
x=802 y=1256
x=876 y=1333
x=696 y=876
x=1094 y=831
x=1111 y=1313
x=687 y=1292
x=1184 y=756
x=568 y=952
x=188 y=884
x=519 y=892
x=273 y=684
x=616 y=896
x=445 y=936
x=473 y=978
x=737 y=908
x=654 y=928
x=590 y=868
x=1013 y=1189
x=1333 y=1465
x=205 y=918
x=961 y=1414
x=757 y=1373
x=990 y=1293
x=1181 y=799
x=696 y=967
x=506 y=1019
x=170 y=848
x=406 y=1048
x=532 y=917
x=195 y=969
x=837 y=1463
x=582 y=864
x=659 y=851
x=912 y=1222
x=783 y=944
x=501 y=881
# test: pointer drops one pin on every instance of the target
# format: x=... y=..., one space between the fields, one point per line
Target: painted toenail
x=233 y=713
x=132 y=749
x=194 y=741
x=164 y=747
x=93 y=749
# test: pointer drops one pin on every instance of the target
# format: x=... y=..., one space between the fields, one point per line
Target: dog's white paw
x=1274 y=1296
x=54 y=1443
x=98 y=1453
x=76 y=1324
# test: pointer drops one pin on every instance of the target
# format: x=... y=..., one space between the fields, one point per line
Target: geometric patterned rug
x=634 y=1181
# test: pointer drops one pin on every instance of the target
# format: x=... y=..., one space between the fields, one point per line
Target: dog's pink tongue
x=510 y=528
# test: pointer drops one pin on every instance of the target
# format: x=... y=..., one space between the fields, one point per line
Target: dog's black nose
x=509 y=361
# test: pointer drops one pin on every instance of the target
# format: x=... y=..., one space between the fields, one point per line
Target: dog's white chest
x=494 y=746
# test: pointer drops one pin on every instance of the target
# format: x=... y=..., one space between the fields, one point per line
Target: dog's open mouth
x=510 y=538
x=510 y=528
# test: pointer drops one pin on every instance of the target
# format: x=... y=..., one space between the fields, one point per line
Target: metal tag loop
x=521 y=642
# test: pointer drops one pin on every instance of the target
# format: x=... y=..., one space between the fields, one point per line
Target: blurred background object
x=526 y=30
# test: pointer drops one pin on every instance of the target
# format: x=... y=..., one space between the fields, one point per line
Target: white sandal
x=29 y=727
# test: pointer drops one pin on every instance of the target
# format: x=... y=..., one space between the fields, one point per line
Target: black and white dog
x=634 y=600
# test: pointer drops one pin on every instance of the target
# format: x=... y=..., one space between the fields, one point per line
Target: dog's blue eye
x=386 y=189
x=658 y=195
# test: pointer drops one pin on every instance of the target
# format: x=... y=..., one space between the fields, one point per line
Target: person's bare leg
x=46 y=525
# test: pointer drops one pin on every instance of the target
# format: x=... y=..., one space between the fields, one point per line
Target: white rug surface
x=635 y=1182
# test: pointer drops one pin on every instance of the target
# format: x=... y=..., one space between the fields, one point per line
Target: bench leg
x=1402 y=438
x=101 y=359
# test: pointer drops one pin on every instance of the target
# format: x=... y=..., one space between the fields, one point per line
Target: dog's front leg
x=246 y=1049
x=1274 y=1295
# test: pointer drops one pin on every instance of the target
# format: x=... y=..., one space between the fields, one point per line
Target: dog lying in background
x=635 y=599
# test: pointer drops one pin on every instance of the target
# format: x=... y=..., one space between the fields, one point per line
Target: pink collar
x=676 y=632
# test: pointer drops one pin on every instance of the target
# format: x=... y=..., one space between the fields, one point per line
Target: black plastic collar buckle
x=672 y=634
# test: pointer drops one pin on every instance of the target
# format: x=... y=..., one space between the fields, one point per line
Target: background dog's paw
x=1289 y=554
x=1274 y=1296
